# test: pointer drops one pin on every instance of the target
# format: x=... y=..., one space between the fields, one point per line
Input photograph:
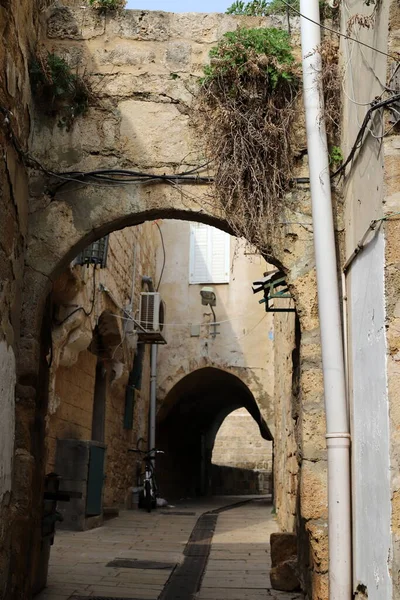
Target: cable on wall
x=81 y=308
x=164 y=255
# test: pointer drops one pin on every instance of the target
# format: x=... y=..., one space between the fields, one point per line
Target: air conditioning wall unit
x=151 y=318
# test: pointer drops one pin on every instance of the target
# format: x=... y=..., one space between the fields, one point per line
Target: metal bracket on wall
x=274 y=287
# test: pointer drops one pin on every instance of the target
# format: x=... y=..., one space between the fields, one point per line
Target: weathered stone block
x=140 y=25
x=131 y=53
x=62 y=23
x=283 y=547
x=153 y=136
x=67 y=23
x=284 y=576
x=318 y=531
x=178 y=55
x=313 y=490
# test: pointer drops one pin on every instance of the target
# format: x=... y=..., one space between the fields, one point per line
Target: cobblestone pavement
x=238 y=566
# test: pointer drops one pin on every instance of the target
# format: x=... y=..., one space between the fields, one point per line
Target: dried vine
x=331 y=84
x=245 y=110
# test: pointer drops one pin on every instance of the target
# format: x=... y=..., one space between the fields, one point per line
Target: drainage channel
x=185 y=580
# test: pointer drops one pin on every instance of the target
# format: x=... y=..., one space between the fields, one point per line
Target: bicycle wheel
x=147 y=494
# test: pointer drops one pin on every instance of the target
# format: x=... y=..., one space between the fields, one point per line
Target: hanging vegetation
x=331 y=84
x=245 y=110
x=57 y=90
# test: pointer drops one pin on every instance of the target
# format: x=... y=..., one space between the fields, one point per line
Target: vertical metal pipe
x=153 y=397
x=337 y=422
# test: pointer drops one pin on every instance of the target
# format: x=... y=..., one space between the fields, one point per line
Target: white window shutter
x=220 y=246
x=209 y=254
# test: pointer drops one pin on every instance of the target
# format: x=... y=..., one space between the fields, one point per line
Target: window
x=209 y=254
x=94 y=254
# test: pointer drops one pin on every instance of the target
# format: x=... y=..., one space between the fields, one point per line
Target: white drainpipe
x=153 y=381
x=153 y=397
x=337 y=419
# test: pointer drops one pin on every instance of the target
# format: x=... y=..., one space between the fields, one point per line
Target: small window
x=209 y=254
x=94 y=254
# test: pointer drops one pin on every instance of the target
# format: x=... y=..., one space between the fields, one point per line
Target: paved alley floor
x=155 y=545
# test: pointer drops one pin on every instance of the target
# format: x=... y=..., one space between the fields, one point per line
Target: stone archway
x=143 y=124
x=68 y=224
x=188 y=423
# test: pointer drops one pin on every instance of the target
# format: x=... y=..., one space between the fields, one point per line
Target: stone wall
x=72 y=416
x=19 y=32
x=286 y=414
x=76 y=351
x=241 y=458
x=238 y=443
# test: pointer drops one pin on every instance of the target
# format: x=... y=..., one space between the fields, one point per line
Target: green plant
x=238 y=50
x=264 y=8
x=57 y=89
x=104 y=6
x=257 y=8
x=246 y=105
x=336 y=156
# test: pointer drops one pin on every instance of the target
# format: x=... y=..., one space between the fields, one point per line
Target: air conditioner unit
x=151 y=318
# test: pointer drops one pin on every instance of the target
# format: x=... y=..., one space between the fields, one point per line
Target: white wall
x=364 y=192
x=371 y=475
x=244 y=344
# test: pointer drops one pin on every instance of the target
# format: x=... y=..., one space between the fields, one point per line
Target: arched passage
x=192 y=414
x=62 y=223
x=65 y=227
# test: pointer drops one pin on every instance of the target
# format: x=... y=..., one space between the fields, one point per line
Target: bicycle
x=148 y=491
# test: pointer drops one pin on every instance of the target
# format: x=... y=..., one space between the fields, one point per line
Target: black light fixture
x=94 y=254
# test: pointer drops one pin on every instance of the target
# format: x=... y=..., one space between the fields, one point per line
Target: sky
x=181 y=5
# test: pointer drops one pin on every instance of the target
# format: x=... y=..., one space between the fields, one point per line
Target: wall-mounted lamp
x=208 y=297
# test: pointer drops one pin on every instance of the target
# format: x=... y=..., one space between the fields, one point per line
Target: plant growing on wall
x=58 y=90
x=264 y=8
x=245 y=110
x=104 y=6
x=257 y=8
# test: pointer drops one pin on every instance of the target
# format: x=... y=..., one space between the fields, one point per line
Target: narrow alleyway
x=142 y=556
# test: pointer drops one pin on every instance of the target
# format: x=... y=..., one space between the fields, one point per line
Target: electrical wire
x=360 y=135
x=188 y=324
x=343 y=35
x=164 y=255
x=238 y=339
x=81 y=308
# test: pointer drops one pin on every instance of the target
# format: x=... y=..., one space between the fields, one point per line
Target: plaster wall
x=244 y=341
x=364 y=192
x=371 y=473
